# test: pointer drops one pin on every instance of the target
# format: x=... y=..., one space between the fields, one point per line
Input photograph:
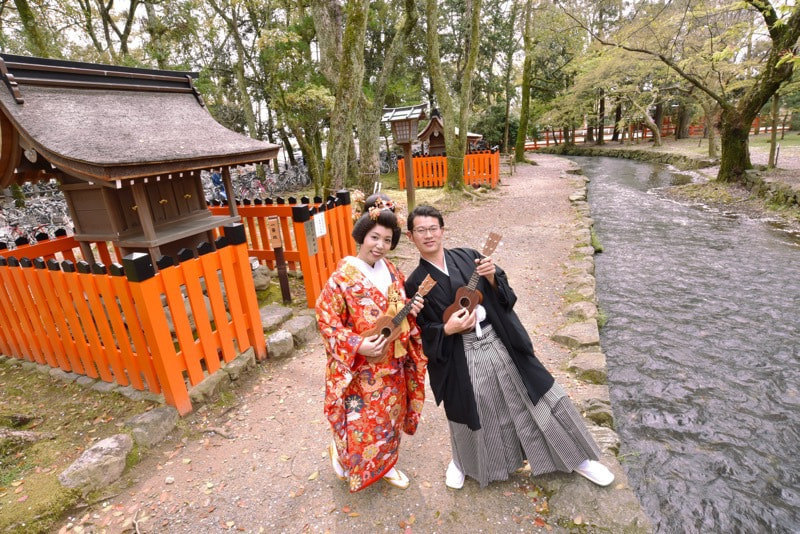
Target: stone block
x=581 y=311
x=63 y=376
x=578 y=335
x=590 y=366
x=274 y=315
x=209 y=389
x=280 y=344
x=104 y=387
x=241 y=364
x=150 y=428
x=98 y=466
x=303 y=328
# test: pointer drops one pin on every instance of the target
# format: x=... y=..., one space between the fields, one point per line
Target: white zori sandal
x=596 y=472
x=338 y=468
x=396 y=478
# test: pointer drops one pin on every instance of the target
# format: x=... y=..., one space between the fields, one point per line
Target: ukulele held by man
x=468 y=296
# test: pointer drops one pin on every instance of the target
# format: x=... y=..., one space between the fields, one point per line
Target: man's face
x=426 y=235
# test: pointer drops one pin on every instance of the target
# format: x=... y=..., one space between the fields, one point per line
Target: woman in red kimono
x=370 y=398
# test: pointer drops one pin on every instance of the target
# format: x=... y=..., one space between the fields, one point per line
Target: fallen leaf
x=23 y=498
x=314 y=475
x=578 y=520
x=346 y=509
x=354 y=514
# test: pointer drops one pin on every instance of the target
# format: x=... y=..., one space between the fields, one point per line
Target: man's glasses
x=421 y=230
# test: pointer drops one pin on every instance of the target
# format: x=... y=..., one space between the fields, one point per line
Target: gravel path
x=266 y=469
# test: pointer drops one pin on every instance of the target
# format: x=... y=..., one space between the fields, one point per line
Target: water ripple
x=702 y=351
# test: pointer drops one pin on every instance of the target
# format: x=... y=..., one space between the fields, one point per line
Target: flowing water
x=703 y=351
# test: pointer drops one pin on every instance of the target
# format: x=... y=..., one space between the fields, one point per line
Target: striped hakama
x=550 y=435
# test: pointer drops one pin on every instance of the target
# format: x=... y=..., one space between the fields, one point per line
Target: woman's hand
x=372 y=347
x=418 y=304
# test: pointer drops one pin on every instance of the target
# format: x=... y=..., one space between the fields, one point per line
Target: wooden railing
x=110 y=321
x=481 y=168
x=305 y=247
x=636 y=132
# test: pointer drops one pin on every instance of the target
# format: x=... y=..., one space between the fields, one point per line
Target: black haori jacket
x=447 y=366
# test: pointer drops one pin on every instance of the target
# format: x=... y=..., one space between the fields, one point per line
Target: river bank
x=767 y=194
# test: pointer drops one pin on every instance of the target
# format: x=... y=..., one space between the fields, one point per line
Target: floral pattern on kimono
x=367 y=405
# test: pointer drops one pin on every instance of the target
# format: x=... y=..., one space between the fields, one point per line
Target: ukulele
x=467 y=297
x=389 y=327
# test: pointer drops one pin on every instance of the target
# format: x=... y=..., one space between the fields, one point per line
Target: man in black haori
x=503 y=407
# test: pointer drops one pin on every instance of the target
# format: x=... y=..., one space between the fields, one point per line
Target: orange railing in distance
x=480 y=168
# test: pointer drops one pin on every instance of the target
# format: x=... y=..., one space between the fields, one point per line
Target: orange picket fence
x=161 y=330
x=314 y=235
x=480 y=168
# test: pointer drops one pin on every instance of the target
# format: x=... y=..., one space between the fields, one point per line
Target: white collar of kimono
x=377 y=274
x=481 y=311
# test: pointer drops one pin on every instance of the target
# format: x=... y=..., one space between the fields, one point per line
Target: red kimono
x=368 y=404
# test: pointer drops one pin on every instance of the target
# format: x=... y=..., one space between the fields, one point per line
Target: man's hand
x=418 y=304
x=486 y=268
x=460 y=321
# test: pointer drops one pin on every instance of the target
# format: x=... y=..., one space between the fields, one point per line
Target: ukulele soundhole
x=386 y=332
x=464 y=302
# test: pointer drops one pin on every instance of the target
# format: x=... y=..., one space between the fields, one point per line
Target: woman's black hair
x=365 y=223
x=424 y=211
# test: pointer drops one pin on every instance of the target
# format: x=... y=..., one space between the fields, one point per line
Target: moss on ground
x=71 y=418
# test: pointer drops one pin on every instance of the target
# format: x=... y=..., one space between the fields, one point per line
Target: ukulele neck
x=397 y=319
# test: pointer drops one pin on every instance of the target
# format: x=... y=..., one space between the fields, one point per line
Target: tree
x=456 y=147
x=739 y=105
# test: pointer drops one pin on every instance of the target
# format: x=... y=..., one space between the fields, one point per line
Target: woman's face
x=377 y=243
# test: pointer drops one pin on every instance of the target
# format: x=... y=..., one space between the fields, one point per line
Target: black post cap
x=116 y=269
x=41 y=236
x=3 y=261
x=138 y=266
x=84 y=267
x=165 y=261
x=304 y=199
x=221 y=242
x=26 y=262
x=204 y=248
x=185 y=254
x=301 y=213
x=235 y=234
x=39 y=263
x=20 y=241
x=13 y=262
x=343 y=196
x=67 y=266
x=292 y=200
x=99 y=268
x=61 y=232
x=53 y=265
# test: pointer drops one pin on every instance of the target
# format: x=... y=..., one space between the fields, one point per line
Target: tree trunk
x=773 y=138
x=601 y=119
x=684 y=119
x=155 y=28
x=617 y=118
x=36 y=41
x=658 y=116
x=735 y=158
x=369 y=116
x=348 y=92
x=527 y=67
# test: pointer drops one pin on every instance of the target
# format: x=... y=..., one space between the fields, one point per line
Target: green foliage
x=491 y=124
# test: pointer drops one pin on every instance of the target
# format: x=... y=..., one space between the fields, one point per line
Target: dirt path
x=267 y=470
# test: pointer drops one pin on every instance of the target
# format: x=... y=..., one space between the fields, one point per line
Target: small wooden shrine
x=432 y=137
x=127 y=147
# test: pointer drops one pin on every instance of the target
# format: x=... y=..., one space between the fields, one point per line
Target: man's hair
x=424 y=211
x=366 y=222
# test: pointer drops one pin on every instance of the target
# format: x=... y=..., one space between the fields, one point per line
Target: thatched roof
x=104 y=123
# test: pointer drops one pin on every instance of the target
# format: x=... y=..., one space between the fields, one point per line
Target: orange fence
x=480 y=168
x=129 y=323
x=308 y=245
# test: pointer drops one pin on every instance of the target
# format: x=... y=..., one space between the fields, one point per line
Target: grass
x=31 y=498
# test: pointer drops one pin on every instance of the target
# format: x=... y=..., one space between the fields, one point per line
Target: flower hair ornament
x=379 y=206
